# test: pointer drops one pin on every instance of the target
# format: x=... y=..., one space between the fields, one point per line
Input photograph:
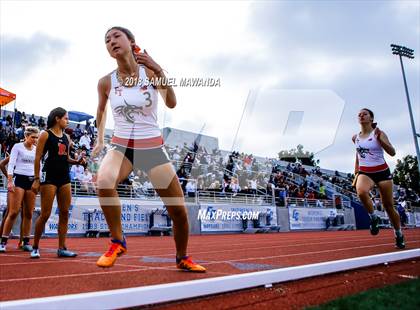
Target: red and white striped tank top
x=370 y=154
x=135 y=113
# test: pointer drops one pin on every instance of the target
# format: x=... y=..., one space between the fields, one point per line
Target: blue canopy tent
x=78 y=117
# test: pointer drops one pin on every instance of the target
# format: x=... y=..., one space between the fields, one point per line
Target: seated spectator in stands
x=24 y=119
x=41 y=123
x=302 y=171
x=17 y=118
x=77 y=133
x=310 y=195
x=322 y=191
x=278 y=179
x=76 y=172
x=282 y=194
x=301 y=193
x=148 y=187
x=190 y=188
x=294 y=192
x=85 y=141
x=337 y=202
x=86 y=182
x=11 y=140
x=32 y=120
x=200 y=184
x=225 y=185
x=91 y=131
x=215 y=186
x=234 y=186
x=253 y=187
x=20 y=132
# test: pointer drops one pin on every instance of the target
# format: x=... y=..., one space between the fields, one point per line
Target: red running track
x=150 y=260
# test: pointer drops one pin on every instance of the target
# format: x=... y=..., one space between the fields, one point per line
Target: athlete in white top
x=20 y=175
x=371 y=168
x=21 y=160
x=134 y=108
x=370 y=153
x=137 y=142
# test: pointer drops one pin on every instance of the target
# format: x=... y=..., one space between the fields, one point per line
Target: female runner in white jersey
x=20 y=175
x=371 y=169
x=137 y=143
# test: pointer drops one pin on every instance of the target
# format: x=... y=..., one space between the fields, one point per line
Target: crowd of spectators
x=197 y=168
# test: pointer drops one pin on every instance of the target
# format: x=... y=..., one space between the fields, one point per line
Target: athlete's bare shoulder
x=104 y=84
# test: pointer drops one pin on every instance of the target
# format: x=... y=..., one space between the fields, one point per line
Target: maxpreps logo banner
x=134 y=216
x=309 y=218
x=212 y=223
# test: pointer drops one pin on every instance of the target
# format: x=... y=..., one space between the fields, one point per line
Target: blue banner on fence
x=229 y=218
x=86 y=214
x=310 y=218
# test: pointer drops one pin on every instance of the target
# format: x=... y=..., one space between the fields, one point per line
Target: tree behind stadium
x=304 y=157
x=406 y=173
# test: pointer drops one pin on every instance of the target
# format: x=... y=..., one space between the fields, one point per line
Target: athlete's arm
x=104 y=86
x=43 y=137
x=10 y=169
x=155 y=72
x=384 y=142
x=166 y=91
x=356 y=165
x=3 y=165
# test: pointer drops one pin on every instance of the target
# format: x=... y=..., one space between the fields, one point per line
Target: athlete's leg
x=363 y=186
x=15 y=203
x=385 y=189
x=21 y=224
x=28 y=209
x=166 y=183
x=48 y=192
x=114 y=168
x=4 y=217
x=63 y=201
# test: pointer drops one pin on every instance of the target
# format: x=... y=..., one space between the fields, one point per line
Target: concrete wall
x=283 y=218
x=349 y=217
x=192 y=209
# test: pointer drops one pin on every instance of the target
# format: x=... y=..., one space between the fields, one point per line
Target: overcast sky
x=327 y=59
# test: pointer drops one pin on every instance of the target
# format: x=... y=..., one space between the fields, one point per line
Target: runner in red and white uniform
x=137 y=142
x=371 y=169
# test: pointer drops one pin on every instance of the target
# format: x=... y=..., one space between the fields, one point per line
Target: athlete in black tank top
x=54 y=182
x=56 y=167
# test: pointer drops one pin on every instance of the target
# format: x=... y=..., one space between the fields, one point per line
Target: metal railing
x=223 y=197
x=309 y=203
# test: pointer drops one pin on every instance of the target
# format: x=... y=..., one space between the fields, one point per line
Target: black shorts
x=24 y=181
x=380 y=176
x=55 y=178
x=144 y=159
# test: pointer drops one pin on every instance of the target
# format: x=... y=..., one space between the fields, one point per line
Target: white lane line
x=131 y=297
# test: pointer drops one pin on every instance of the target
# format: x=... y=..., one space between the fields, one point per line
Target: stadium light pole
x=403 y=51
